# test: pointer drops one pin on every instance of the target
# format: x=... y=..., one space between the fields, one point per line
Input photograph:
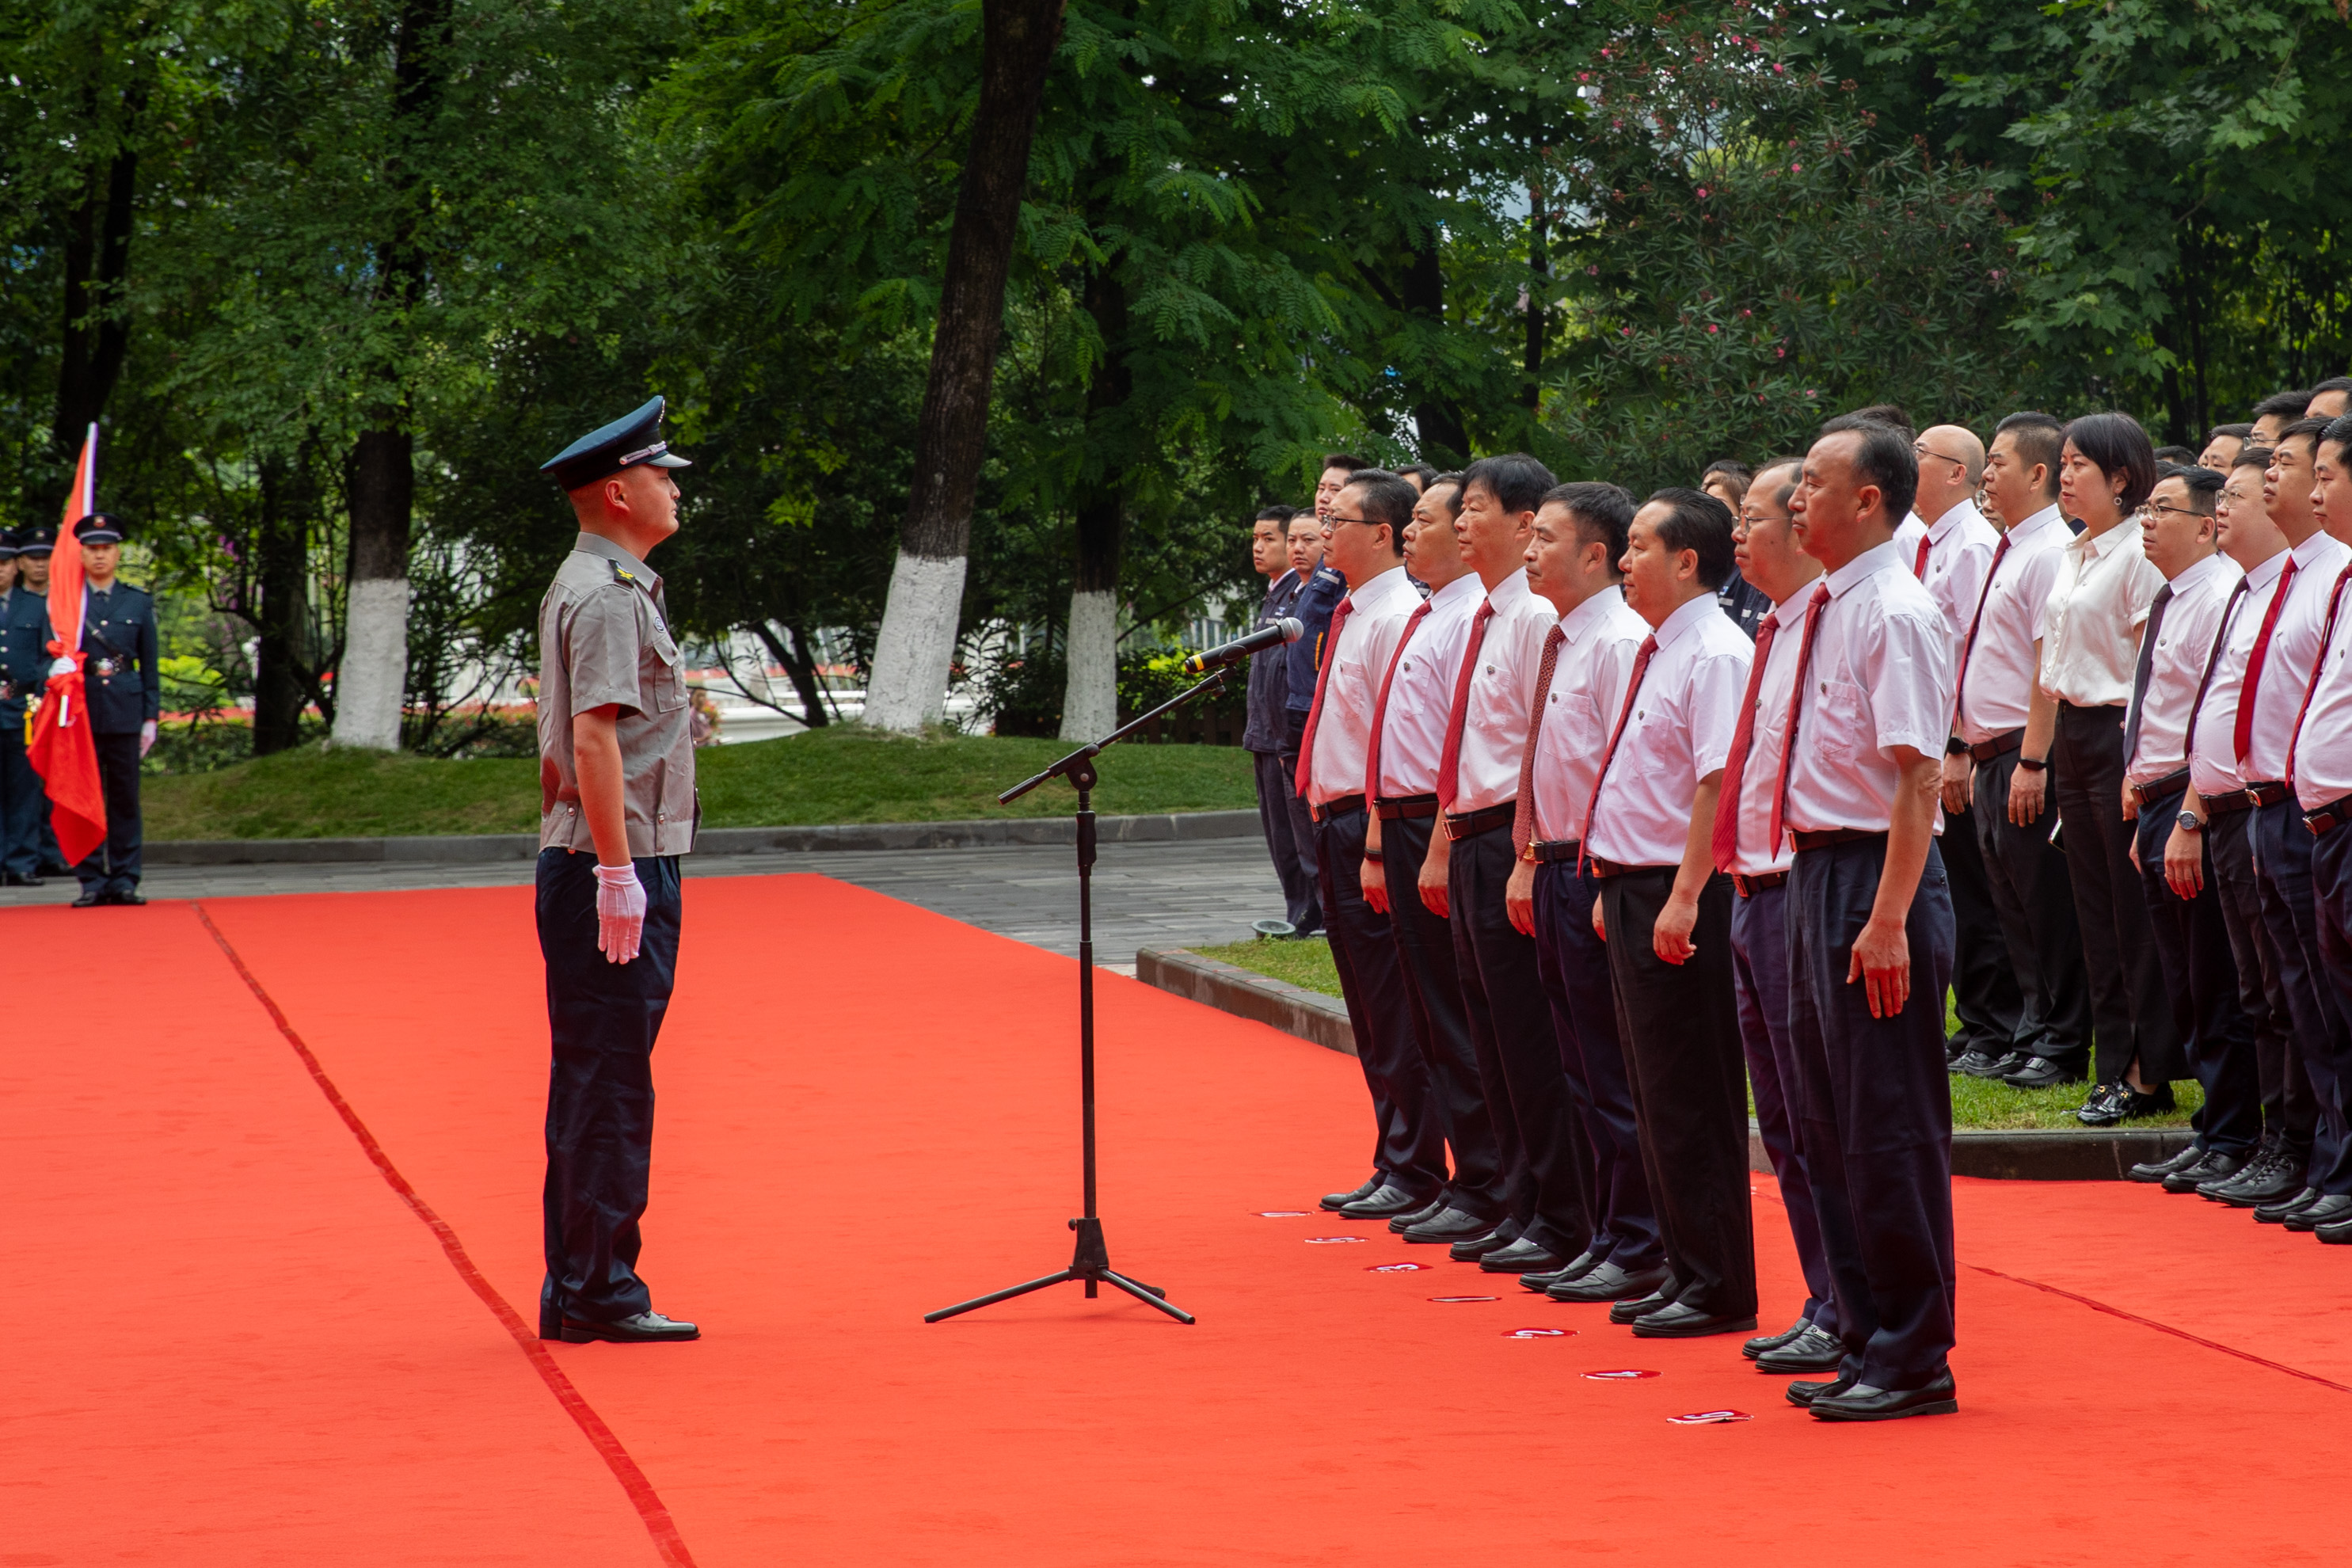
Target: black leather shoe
x=1429 y=1210
x=1763 y=1342
x=1477 y=1247
x=130 y=898
x=1975 y=1064
x=1815 y=1349
x=2121 y=1103
x=1677 y=1321
x=2277 y=1212
x=1448 y=1225
x=1804 y=1393
x=641 y=1329
x=1576 y=1267
x=1522 y=1257
x=2011 y=1061
x=2157 y=1170
x=1609 y=1283
x=1863 y=1403
x=2326 y=1211
x=1382 y=1204
x=14 y=880
x=91 y=898
x=2041 y=1072
x=2336 y=1233
x=1341 y=1200
x=1632 y=1306
x=2268 y=1177
x=1956 y=1047
x=2215 y=1166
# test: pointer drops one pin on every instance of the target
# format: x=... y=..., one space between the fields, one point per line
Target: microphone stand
x=1090 y=1263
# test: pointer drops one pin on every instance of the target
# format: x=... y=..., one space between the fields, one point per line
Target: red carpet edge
x=641 y=1494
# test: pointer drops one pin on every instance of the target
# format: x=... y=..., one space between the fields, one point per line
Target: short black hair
x=1885 y=458
x=1603 y=512
x=2204 y=484
x=2300 y=428
x=1448 y=480
x=2333 y=384
x=1698 y=523
x=2116 y=443
x=1422 y=471
x=1387 y=499
x=2235 y=432
x=2039 y=438
x=1889 y=414
x=1796 y=466
x=2178 y=457
x=1277 y=513
x=1346 y=460
x=1516 y=480
x=2251 y=457
x=2339 y=431
x=2289 y=403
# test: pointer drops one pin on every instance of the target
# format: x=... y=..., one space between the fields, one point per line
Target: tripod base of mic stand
x=1089 y=1266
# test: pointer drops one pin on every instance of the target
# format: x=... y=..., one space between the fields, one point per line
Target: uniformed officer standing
x=21 y=662
x=124 y=692
x=617 y=806
x=26 y=843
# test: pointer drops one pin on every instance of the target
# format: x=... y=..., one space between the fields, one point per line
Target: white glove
x=146 y=737
x=620 y=912
x=61 y=666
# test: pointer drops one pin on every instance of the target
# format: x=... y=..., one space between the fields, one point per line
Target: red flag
x=60 y=747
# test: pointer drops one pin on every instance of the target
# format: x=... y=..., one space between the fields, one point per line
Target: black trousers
x=1984 y=982
x=1680 y=1024
x=2034 y=900
x=2200 y=972
x=1877 y=1115
x=21 y=799
x=2320 y=1041
x=113 y=865
x=601 y=1020
x=2331 y=899
x=1759 y=958
x=1518 y=1056
x=2289 y=1113
x=1301 y=905
x=1573 y=964
x=1432 y=987
x=2130 y=1010
x=1302 y=821
x=1409 y=1138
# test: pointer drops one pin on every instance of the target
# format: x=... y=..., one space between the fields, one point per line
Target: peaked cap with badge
x=626 y=443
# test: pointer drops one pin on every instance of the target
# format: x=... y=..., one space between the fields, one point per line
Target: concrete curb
x=2089 y=1155
x=464 y=849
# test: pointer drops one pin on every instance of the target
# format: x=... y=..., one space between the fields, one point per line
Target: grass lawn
x=1975 y=1102
x=835 y=775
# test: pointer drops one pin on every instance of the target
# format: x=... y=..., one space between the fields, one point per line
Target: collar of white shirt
x=1466 y=586
x=2312 y=549
x=1589 y=615
x=1382 y=591
x=1864 y=566
x=2195 y=577
x=2033 y=527
x=1955 y=516
x=2262 y=574
x=2099 y=547
x=1670 y=630
x=1509 y=590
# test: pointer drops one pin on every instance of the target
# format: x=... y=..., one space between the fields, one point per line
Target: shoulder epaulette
x=620 y=572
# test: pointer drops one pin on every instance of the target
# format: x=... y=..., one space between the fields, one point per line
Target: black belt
x=1986 y=750
x=2229 y=803
x=1405 y=805
x=1551 y=851
x=1461 y=824
x=1338 y=805
x=2329 y=817
x=1831 y=836
x=1618 y=868
x=2265 y=793
x=2146 y=795
x=1749 y=886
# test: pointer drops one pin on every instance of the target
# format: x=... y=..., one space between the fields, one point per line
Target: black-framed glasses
x=1335 y=520
x=1919 y=451
x=2151 y=507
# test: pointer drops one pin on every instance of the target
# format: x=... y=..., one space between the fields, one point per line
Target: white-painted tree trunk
x=373 y=676
x=1090 y=695
x=916 y=646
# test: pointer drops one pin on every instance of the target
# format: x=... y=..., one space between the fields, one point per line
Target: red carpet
x=238 y=1343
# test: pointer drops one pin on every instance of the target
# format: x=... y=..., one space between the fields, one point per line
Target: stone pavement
x=1150 y=894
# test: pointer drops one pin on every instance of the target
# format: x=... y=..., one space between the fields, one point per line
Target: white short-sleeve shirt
x=1501 y=695
x=1879 y=676
x=2212 y=748
x=2323 y=757
x=2177 y=667
x=1997 y=685
x=1755 y=852
x=2091 y=619
x=1420 y=692
x=2293 y=654
x=1588 y=687
x=1959 y=553
x=1677 y=730
x=1358 y=659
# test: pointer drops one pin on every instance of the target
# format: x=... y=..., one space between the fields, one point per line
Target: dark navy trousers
x=2200 y=971
x=1759 y=969
x=602 y=1019
x=2331 y=899
x=2289 y=1114
x=21 y=799
x=2283 y=847
x=1274 y=798
x=1433 y=986
x=1409 y=1138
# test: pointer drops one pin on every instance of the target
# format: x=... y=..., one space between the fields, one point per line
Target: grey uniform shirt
x=604 y=639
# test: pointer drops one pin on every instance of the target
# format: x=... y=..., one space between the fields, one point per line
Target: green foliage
x=1023 y=695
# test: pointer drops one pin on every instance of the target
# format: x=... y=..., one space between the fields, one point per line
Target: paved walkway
x=1185 y=895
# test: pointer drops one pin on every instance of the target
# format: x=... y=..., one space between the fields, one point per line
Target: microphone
x=1274 y=633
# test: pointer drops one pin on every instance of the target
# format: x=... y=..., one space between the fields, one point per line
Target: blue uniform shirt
x=1270 y=673
x=1317 y=600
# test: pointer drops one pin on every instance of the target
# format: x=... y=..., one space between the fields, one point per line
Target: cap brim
x=669 y=461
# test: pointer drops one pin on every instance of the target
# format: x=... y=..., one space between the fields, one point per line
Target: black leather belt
x=1749 y=886
x=1827 y=836
x=2146 y=795
x=1405 y=805
x=2329 y=817
x=2265 y=793
x=1551 y=851
x=1986 y=750
x=1339 y=805
x=2227 y=803
x=1618 y=868
x=1461 y=824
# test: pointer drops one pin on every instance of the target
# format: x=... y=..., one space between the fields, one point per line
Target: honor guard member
x=2192 y=937
x=617 y=806
x=123 y=690
x=1758 y=863
x=31 y=608
x=1408 y=736
x=23 y=661
x=1263 y=734
x=1573 y=563
x=1870 y=930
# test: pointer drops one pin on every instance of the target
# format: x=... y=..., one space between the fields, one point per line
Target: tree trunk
x=1539 y=263
x=97 y=257
x=282 y=547
x=799 y=660
x=908 y=684
x=1443 y=440
x=1090 y=684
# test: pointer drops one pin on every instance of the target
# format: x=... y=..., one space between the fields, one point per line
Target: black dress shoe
x=1448 y=1225
x=1763 y=1342
x=1815 y=1349
x=2011 y=1061
x=1384 y=1204
x=1804 y=1393
x=2215 y=1166
x=1632 y=1306
x=2335 y=1232
x=2126 y=1103
x=2266 y=1178
x=1341 y=1200
x=2326 y=1211
x=1430 y=1210
x=2041 y=1072
x=1522 y=1257
x=1576 y=1267
x=91 y=898
x=1956 y=1047
x=640 y=1329
x=1676 y=1321
x=1863 y=1403
x=2157 y=1170
x=1609 y=1283
x=15 y=880
x=2277 y=1212
x=1975 y=1064
x=1477 y=1247
x=130 y=898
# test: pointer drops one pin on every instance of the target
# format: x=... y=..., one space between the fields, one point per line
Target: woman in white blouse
x=2089 y=651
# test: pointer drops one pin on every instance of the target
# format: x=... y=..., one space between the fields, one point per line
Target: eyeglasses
x=1919 y=451
x=1751 y=520
x=2150 y=508
x=1335 y=520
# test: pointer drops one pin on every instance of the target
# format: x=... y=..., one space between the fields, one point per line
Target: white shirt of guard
x=2323 y=757
x=2090 y=638
x=1588 y=687
x=2191 y=619
x=1880 y=677
x=1754 y=853
x=1958 y=554
x=2293 y=654
x=2212 y=749
x=1420 y=694
x=1358 y=661
x=1998 y=688
x=1501 y=696
x=1684 y=716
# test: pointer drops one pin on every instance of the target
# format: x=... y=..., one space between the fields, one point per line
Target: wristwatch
x=2190 y=821
x=2032 y=764
x=1956 y=747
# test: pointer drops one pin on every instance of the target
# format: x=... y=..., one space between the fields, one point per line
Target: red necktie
x=1322 y=679
x=1814 y=607
x=1974 y=621
x=1523 y=820
x=1380 y=704
x=1734 y=767
x=1449 y=762
x=1919 y=564
x=1632 y=689
x=2242 y=740
x=2326 y=632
